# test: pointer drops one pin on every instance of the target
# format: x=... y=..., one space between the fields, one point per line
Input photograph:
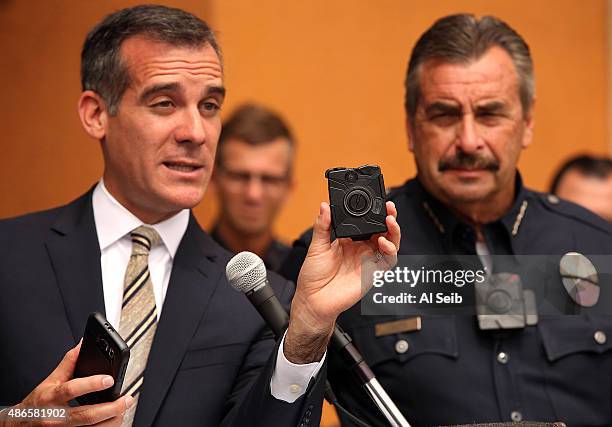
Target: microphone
x=246 y=272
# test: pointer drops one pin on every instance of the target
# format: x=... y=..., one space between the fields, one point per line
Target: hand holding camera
x=330 y=278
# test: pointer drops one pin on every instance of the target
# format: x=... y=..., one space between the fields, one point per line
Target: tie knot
x=143 y=239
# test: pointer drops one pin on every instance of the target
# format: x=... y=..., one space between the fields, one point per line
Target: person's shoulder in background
x=590 y=232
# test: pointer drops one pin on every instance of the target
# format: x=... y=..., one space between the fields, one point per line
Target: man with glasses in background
x=253 y=179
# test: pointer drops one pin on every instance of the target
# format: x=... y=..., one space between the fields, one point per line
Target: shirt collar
x=113 y=221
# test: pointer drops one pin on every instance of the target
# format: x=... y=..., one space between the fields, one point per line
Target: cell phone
x=103 y=352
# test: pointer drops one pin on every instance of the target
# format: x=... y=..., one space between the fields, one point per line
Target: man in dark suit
x=200 y=355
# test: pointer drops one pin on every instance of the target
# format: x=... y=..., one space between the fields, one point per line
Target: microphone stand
x=342 y=343
x=269 y=307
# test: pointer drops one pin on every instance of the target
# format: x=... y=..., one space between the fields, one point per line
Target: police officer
x=469 y=104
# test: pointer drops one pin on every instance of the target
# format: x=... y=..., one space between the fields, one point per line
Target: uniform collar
x=449 y=226
x=513 y=219
x=114 y=221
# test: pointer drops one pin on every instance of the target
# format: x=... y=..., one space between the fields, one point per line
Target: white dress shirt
x=113 y=226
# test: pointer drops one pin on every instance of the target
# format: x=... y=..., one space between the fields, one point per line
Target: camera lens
x=499 y=301
x=357 y=202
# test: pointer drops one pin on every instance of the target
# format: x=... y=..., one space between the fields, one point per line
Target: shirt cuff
x=290 y=381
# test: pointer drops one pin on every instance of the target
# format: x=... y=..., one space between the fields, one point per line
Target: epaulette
x=567 y=209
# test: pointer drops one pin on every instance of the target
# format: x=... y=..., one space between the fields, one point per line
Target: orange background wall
x=334 y=68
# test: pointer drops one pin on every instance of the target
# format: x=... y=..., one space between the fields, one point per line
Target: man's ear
x=409 y=133
x=93 y=114
x=529 y=122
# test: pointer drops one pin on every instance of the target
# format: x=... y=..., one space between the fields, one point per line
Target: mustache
x=468 y=162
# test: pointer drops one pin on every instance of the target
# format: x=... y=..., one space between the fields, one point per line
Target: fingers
x=391 y=209
x=79 y=386
x=320 y=231
x=393 y=228
x=93 y=414
x=113 y=422
x=394 y=233
x=63 y=372
x=389 y=243
x=385 y=246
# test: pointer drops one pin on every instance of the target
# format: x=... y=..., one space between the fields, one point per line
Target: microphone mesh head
x=245 y=272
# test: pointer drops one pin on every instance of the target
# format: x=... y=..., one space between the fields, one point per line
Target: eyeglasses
x=244 y=178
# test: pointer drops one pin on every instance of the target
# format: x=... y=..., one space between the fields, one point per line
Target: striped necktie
x=138 y=314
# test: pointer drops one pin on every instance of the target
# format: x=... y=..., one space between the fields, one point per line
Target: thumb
x=64 y=371
x=321 y=229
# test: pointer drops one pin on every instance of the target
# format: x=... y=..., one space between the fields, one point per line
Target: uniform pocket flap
x=437 y=336
x=565 y=335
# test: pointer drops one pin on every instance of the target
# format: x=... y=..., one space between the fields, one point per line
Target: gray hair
x=461 y=39
x=102 y=69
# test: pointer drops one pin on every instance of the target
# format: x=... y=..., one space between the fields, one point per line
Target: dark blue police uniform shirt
x=451 y=372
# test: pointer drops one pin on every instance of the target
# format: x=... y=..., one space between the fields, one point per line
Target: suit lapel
x=75 y=255
x=195 y=276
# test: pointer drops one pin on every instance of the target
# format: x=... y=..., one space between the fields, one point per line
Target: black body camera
x=502 y=303
x=357 y=201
